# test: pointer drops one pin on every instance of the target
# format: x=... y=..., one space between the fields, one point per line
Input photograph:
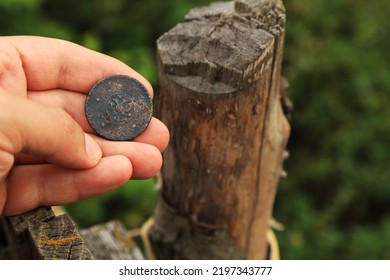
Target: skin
x=49 y=154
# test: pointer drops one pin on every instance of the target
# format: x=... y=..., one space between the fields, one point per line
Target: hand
x=48 y=152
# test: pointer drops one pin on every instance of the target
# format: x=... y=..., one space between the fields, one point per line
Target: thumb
x=46 y=132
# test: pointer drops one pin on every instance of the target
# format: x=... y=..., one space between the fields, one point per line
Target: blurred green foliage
x=335 y=203
x=132 y=204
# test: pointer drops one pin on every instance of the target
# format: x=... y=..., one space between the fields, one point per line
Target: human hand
x=49 y=154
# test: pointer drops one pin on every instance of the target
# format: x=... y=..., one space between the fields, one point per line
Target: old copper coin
x=119 y=107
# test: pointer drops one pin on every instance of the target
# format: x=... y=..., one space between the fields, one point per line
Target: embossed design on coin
x=119 y=108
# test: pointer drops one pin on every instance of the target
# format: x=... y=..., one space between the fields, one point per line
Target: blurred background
x=335 y=202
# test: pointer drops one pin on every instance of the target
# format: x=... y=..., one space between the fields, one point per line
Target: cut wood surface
x=219 y=77
x=39 y=234
x=109 y=241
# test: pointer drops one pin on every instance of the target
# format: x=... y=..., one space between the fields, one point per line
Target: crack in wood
x=219 y=168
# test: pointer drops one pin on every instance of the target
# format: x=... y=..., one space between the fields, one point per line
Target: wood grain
x=219 y=76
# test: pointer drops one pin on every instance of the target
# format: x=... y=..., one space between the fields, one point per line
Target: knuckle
x=68 y=125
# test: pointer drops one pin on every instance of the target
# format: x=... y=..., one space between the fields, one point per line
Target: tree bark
x=219 y=76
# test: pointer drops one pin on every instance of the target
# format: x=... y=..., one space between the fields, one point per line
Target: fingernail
x=93 y=150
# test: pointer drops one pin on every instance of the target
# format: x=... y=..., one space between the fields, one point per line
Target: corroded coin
x=119 y=108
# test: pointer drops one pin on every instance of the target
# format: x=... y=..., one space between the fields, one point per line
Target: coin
x=119 y=108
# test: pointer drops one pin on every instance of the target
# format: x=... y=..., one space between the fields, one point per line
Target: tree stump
x=39 y=234
x=109 y=241
x=219 y=76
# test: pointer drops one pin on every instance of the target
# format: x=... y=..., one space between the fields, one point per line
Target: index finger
x=53 y=63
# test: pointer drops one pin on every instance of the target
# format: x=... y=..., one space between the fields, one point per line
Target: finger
x=155 y=134
x=46 y=132
x=35 y=185
x=12 y=78
x=72 y=102
x=6 y=163
x=52 y=63
x=145 y=159
x=23 y=158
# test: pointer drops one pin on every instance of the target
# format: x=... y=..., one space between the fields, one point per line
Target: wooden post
x=219 y=75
